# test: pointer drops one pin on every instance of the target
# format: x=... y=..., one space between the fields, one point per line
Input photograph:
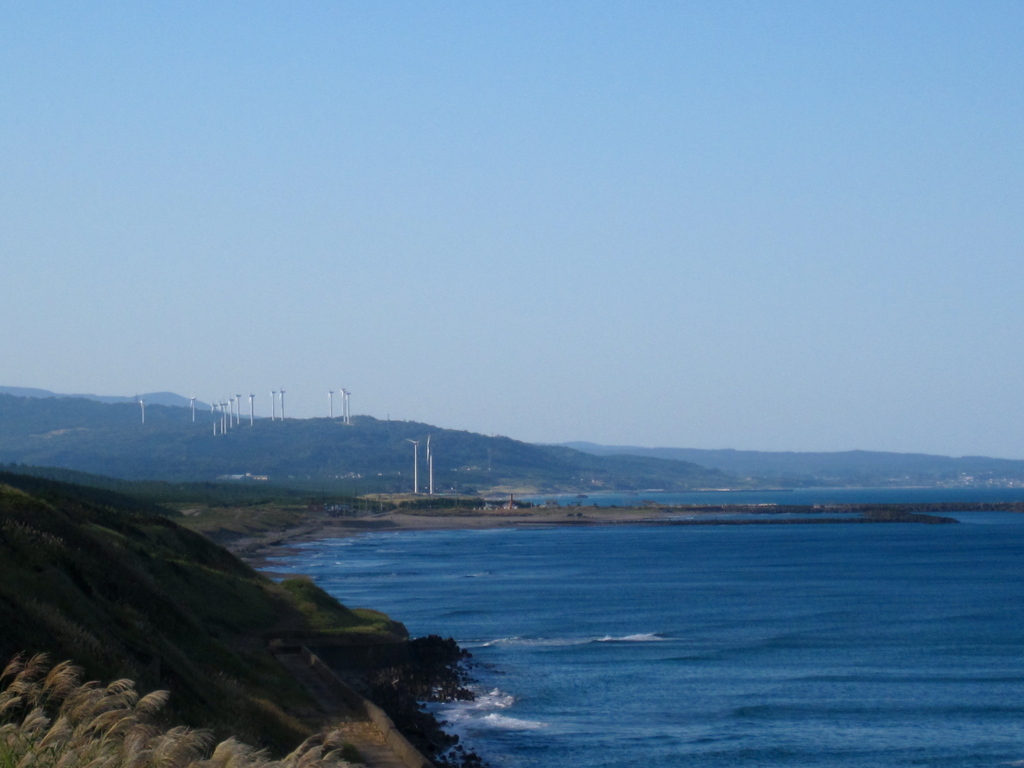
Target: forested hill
x=368 y=455
x=857 y=468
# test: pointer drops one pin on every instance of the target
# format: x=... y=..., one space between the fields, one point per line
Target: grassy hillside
x=99 y=578
x=315 y=454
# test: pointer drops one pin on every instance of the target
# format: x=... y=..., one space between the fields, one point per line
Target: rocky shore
x=437 y=671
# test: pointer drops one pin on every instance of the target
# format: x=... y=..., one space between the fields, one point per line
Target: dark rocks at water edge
x=436 y=671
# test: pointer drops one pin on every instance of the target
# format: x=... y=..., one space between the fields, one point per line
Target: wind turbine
x=430 y=467
x=142 y=403
x=231 y=411
x=282 y=403
x=213 y=410
x=192 y=403
x=225 y=423
x=330 y=399
x=273 y=404
x=238 y=410
x=344 y=401
x=252 y=414
x=415 y=465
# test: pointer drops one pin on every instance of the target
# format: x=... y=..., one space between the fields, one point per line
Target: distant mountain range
x=106 y=438
x=151 y=398
x=103 y=435
x=842 y=468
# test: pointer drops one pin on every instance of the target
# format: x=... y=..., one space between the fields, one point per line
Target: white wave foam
x=512 y=723
x=645 y=637
x=494 y=699
x=537 y=641
x=485 y=712
x=471 y=713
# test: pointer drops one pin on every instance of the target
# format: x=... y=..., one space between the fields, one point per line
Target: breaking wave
x=485 y=712
x=643 y=637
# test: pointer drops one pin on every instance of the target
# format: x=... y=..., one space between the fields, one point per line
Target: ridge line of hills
x=103 y=435
x=369 y=455
x=856 y=467
x=151 y=398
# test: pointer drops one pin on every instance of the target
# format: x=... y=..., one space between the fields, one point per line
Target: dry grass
x=49 y=718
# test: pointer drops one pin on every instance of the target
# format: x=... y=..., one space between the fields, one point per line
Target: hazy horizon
x=780 y=227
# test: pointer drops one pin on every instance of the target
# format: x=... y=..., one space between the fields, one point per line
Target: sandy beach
x=256 y=549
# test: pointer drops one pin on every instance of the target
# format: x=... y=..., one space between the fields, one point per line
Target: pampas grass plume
x=49 y=718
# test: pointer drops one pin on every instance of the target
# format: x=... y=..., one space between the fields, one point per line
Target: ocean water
x=792 y=496
x=799 y=645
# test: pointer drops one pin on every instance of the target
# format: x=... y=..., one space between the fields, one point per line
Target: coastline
x=258 y=549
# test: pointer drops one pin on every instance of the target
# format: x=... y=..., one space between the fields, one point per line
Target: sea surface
x=799 y=645
x=790 y=496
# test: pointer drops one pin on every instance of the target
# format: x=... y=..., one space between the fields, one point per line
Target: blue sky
x=758 y=225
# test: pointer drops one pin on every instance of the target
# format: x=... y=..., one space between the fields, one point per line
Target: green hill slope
x=369 y=455
x=98 y=578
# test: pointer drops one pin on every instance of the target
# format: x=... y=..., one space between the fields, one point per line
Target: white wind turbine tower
x=192 y=404
x=415 y=465
x=225 y=422
x=238 y=410
x=142 y=404
x=213 y=410
x=282 y=403
x=430 y=467
x=252 y=414
x=330 y=399
x=231 y=411
x=273 y=404
x=345 y=394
